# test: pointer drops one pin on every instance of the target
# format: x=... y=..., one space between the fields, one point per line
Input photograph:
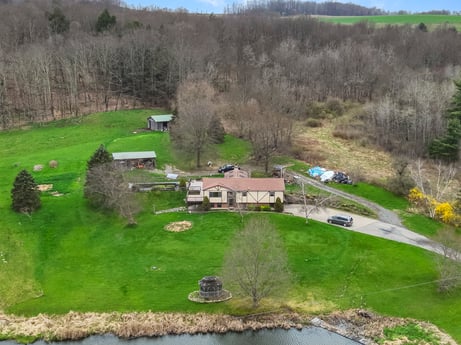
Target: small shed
x=140 y=160
x=159 y=122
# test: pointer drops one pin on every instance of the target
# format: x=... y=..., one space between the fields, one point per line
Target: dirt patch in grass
x=179 y=226
x=44 y=187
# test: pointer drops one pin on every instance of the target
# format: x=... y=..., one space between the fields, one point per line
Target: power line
x=402 y=287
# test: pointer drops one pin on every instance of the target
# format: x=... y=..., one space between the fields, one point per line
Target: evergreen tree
x=447 y=147
x=58 y=22
x=105 y=21
x=422 y=27
x=100 y=156
x=278 y=206
x=25 y=194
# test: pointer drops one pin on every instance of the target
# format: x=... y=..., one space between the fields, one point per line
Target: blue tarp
x=316 y=171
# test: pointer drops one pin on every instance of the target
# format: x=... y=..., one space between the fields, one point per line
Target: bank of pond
x=305 y=336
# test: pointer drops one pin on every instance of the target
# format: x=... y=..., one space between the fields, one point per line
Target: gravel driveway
x=369 y=226
x=384 y=215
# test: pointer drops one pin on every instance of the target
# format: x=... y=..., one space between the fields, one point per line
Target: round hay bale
x=179 y=226
x=38 y=167
x=53 y=164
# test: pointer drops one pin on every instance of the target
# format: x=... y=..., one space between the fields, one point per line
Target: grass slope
x=68 y=257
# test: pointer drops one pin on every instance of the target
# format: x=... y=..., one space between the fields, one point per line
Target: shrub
x=278 y=206
x=265 y=208
x=205 y=204
x=255 y=208
x=335 y=106
x=182 y=183
x=316 y=110
x=347 y=132
x=444 y=211
x=313 y=123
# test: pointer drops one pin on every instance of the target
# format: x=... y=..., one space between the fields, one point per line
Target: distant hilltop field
x=432 y=21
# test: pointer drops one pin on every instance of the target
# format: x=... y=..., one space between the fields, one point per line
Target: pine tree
x=58 y=22
x=447 y=147
x=105 y=21
x=100 y=156
x=25 y=194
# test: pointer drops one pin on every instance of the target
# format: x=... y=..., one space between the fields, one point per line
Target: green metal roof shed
x=159 y=122
x=142 y=159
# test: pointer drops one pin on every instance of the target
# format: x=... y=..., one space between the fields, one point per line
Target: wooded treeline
x=283 y=65
x=294 y=7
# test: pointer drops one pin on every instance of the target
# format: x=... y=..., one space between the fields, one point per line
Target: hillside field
x=67 y=256
x=431 y=20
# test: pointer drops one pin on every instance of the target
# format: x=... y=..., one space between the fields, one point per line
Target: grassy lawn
x=99 y=265
x=374 y=193
x=233 y=151
x=431 y=21
x=69 y=257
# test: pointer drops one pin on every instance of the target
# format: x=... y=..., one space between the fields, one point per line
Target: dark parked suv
x=340 y=220
x=225 y=168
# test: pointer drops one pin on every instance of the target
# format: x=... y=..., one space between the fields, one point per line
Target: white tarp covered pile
x=325 y=175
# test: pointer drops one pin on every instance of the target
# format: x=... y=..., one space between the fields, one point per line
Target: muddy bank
x=358 y=325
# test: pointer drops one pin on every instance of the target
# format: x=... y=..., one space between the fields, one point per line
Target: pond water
x=306 y=336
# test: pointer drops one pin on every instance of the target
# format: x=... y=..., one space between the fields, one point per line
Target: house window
x=215 y=194
x=271 y=193
x=244 y=193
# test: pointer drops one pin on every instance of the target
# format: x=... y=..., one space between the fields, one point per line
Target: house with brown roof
x=237 y=192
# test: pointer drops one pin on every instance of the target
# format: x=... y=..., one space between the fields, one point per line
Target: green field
x=67 y=257
x=431 y=20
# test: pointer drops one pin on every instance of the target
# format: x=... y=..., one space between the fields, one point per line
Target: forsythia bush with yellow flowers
x=443 y=211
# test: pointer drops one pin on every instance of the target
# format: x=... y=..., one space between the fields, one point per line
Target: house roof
x=162 y=118
x=133 y=155
x=236 y=173
x=245 y=184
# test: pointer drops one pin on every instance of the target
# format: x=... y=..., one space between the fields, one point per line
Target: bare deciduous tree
x=434 y=181
x=191 y=128
x=319 y=201
x=267 y=131
x=449 y=261
x=401 y=182
x=256 y=263
x=437 y=183
x=107 y=188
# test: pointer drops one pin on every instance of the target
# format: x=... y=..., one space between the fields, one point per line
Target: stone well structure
x=211 y=288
